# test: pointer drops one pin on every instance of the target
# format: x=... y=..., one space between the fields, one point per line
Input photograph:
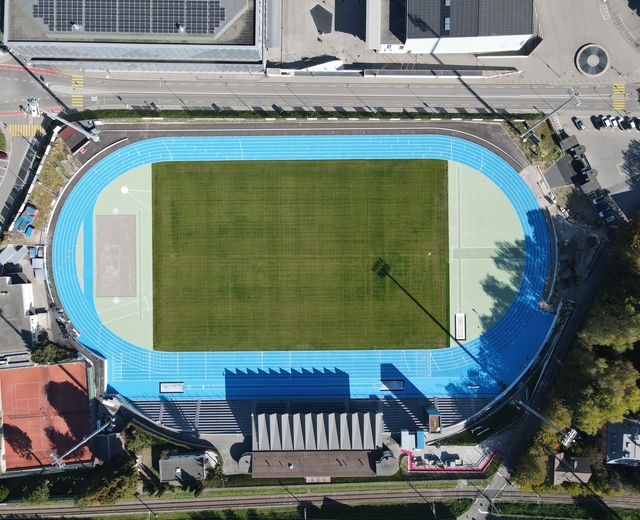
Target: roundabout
x=481 y=367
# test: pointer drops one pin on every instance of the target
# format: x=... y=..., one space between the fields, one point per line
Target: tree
x=38 y=494
x=45 y=353
x=81 y=502
x=116 y=479
x=4 y=493
x=602 y=391
x=614 y=318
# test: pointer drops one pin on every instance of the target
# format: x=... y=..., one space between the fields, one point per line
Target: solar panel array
x=131 y=16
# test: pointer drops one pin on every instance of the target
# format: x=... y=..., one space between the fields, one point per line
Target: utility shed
x=180 y=469
x=432 y=416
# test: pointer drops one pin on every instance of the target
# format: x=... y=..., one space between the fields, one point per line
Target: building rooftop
x=623 y=443
x=151 y=21
x=120 y=33
x=182 y=468
x=16 y=297
x=569 y=469
x=335 y=463
x=467 y=18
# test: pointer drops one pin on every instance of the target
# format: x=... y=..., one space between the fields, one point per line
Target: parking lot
x=615 y=154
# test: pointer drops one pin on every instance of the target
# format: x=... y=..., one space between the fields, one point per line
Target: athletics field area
x=263 y=270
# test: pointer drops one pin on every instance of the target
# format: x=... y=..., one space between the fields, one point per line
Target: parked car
x=621 y=123
x=607 y=121
x=597 y=122
x=630 y=123
x=578 y=122
x=4 y=156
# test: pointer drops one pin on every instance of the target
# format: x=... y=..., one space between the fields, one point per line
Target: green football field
x=278 y=255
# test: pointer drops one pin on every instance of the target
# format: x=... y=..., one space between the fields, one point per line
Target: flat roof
x=132 y=21
x=467 y=18
x=15 y=329
x=338 y=463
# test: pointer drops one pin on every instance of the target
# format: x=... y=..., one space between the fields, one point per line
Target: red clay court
x=45 y=409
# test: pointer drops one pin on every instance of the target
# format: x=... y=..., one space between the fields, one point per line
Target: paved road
x=363 y=95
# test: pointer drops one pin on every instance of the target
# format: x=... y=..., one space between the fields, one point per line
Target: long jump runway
x=480 y=367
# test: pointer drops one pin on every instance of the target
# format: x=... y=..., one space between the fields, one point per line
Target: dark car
x=4 y=156
x=578 y=122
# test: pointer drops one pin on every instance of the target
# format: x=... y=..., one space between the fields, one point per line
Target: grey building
x=218 y=35
x=182 y=469
x=622 y=442
x=569 y=469
x=456 y=26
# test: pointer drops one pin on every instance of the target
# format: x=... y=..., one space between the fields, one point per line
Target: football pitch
x=278 y=255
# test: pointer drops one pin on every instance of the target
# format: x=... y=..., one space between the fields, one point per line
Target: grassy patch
x=592 y=511
x=136 y=113
x=330 y=510
x=3 y=142
x=278 y=255
x=543 y=154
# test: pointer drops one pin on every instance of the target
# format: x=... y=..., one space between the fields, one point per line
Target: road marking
x=513 y=86
x=25 y=130
x=619 y=104
x=77 y=100
x=77 y=81
x=604 y=10
x=618 y=88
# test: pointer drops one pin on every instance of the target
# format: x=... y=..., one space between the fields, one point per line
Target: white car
x=606 y=121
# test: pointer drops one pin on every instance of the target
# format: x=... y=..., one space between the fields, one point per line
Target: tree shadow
x=631 y=162
x=19 y=441
x=72 y=405
x=62 y=442
x=634 y=5
x=510 y=258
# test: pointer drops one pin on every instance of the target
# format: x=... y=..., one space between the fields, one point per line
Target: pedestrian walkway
x=25 y=130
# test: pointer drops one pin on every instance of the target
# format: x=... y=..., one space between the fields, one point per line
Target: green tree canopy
x=38 y=494
x=45 y=353
x=116 y=479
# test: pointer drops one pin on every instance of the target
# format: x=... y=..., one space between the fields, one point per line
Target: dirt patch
x=578 y=247
x=58 y=167
x=578 y=206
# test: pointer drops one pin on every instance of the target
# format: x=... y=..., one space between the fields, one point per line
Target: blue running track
x=481 y=367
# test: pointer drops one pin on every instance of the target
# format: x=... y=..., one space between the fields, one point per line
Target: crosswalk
x=77 y=100
x=25 y=130
x=619 y=96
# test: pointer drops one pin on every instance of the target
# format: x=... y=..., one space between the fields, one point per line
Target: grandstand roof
x=278 y=464
x=317 y=431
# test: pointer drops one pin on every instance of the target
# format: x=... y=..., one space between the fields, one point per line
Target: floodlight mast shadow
x=573 y=97
x=381 y=268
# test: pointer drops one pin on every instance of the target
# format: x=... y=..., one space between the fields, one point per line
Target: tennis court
x=45 y=409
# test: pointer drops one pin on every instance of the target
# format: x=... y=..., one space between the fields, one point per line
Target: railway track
x=275 y=501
